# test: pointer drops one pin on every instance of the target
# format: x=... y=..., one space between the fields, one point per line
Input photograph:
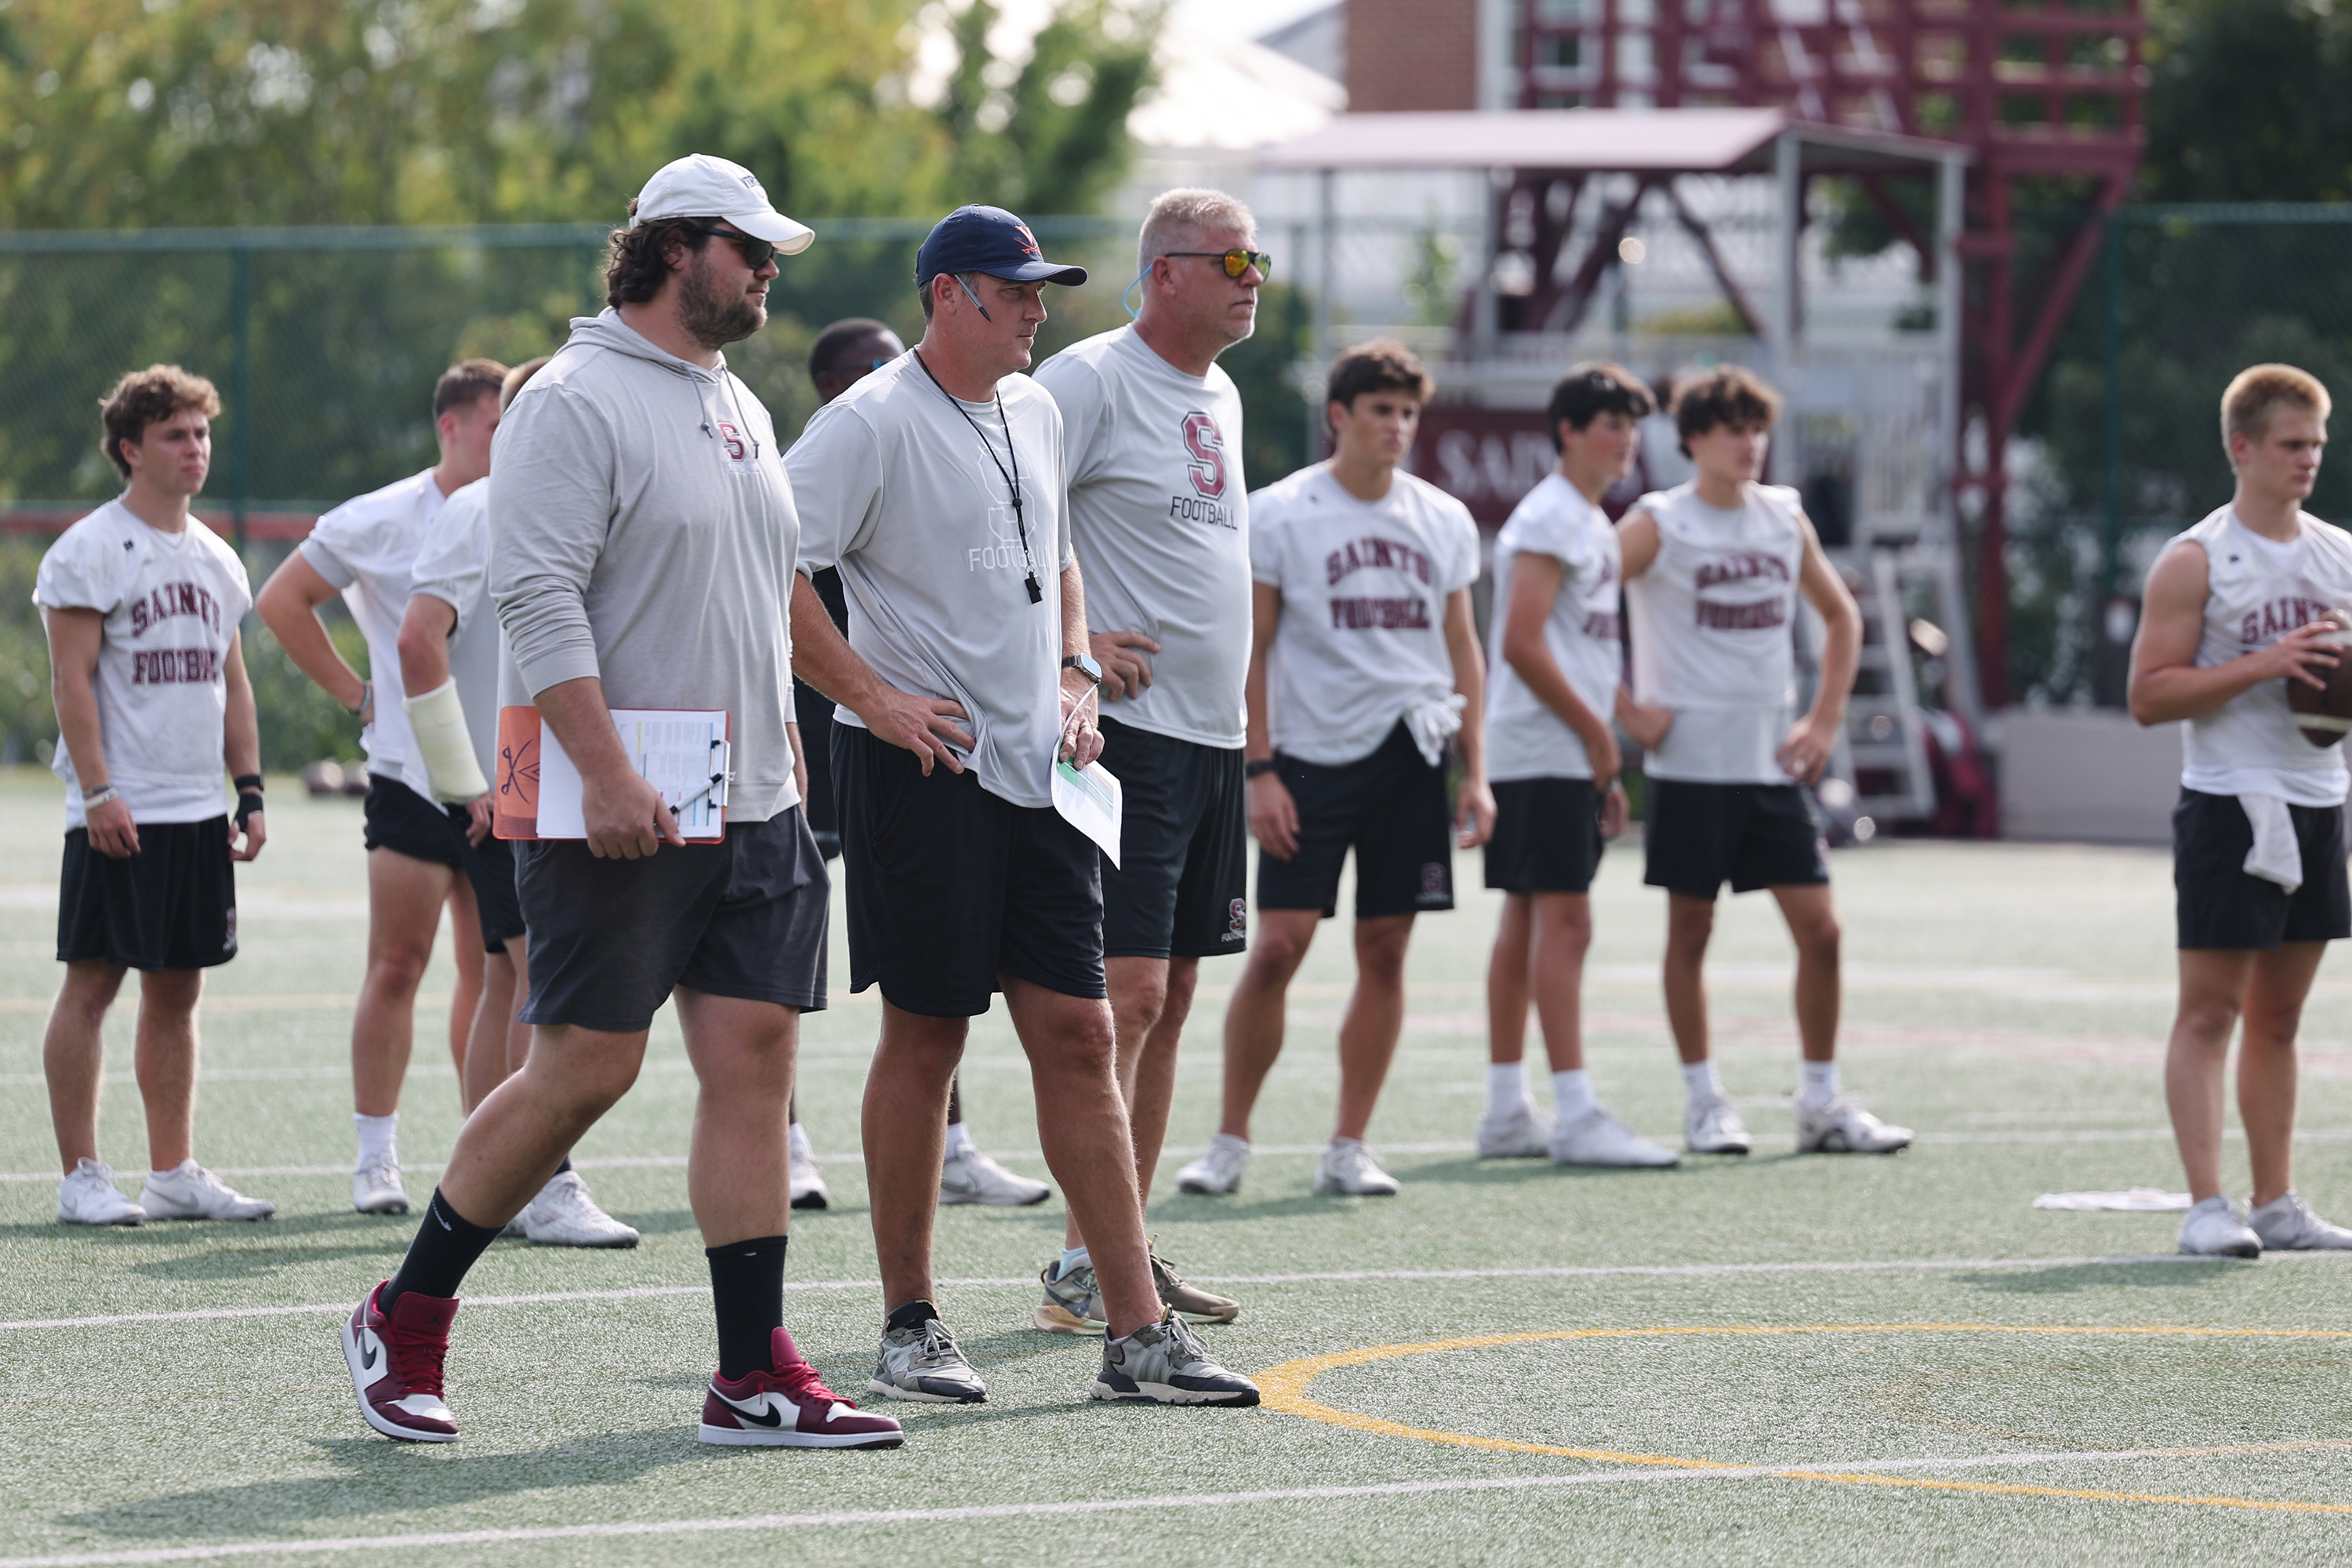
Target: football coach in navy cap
x=935 y=485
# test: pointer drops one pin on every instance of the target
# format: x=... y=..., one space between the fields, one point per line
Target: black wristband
x=1263 y=765
x=248 y=801
x=247 y=782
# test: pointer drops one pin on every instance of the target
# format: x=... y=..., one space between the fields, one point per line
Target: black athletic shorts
x=1182 y=888
x=609 y=938
x=1391 y=808
x=490 y=866
x=2219 y=904
x=171 y=906
x=1698 y=835
x=1547 y=836
x=399 y=820
x=951 y=888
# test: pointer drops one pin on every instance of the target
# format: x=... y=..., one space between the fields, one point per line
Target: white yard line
x=857 y=1519
x=1574 y=1271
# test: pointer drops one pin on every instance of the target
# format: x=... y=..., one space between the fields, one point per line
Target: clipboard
x=684 y=752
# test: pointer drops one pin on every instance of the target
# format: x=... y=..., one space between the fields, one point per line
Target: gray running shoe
x=923 y=1364
x=1165 y=1363
x=1073 y=1303
x=2215 y=1229
x=1843 y=1127
x=1190 y=1302
x=1523 y=1135
x=2286 y=1224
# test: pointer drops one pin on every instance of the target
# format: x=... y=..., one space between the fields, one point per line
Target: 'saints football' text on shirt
x=1525 y=739
x=1160 y=519
x=171 y=603
x=915 y=506
x=2256 y=591
x=367 y=547
x=1362 y=640
x=1711 y=624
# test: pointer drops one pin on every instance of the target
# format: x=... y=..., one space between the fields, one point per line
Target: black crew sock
x=747 y=1293
x=564 y=1167
x=913 y=1315
x=446 y=1247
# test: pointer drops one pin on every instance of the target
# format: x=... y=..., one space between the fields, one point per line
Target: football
x=2324 y=717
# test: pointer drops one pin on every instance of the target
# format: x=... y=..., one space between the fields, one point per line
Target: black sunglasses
x=1236 y=261
x=756 y=251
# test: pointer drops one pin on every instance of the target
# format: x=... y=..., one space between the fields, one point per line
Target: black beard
x=710 y=321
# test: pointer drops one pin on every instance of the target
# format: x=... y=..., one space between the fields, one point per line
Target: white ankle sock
x=1571 y=1094
x=959 y=1140
x=1507 y=1086
x=378 y=1135
x=1819 y=1084
x=1699 y=1081
x=1073 y=1258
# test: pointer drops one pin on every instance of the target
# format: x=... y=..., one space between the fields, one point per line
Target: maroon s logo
x=1207 y=444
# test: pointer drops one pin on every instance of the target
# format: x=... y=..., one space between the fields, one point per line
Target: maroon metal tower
x=2046 y=93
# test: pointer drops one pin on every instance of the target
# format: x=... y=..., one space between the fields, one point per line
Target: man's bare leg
x=73 y=1055
x=1253 y=1017
x=1812 y=914
x=2196 y=1059
x=466 y=995
x=404 y=899
x=904 y=1128
x=1150 y=1000
x=1082 y=1125
x=739 y=1173
x=1561 y=937
x=1690 y=924
x=482 y=1065
x=1374 y=1020
x=1507 y=982
x=166 y=1063
x=522 y=1129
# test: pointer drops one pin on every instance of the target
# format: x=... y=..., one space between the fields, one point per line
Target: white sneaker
x=1347 y=1169
x=1522 y=1133
x=2286 y=1224
x=1712 y=1126
x=1219 y=1169
x=375 y=1186
x=90 y=1196
x=190 y=1191
x=1596 y=1137
x=808 y=1182
x=968 y=1176
x=1842 y=1127
x=563 y=1215
x=2215 y=1229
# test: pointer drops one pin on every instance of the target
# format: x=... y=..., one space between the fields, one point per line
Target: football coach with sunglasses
x=935 y=486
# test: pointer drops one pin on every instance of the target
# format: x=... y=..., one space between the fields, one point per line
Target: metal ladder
x=1885 y=734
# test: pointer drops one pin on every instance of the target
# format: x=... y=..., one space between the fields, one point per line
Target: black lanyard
x=1011 y=481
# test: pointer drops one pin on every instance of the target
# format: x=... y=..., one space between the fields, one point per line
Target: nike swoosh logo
x=368 y=1349
x=767 y=1415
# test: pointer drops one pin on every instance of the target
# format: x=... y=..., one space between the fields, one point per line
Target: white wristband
x=437 y=719
x=100 y=796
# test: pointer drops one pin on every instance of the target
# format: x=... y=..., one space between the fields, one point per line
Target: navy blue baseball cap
x=989 y=240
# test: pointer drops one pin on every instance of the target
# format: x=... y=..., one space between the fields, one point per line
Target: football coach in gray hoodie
x=642 y=553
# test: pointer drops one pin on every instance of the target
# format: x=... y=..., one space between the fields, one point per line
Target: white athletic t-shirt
x=1160 y=518
x=2256 y=591
x=1362 y=640
x=453 y=564
x=1525 y=739
x=897 y=490
x=367 y=547
x=1711 y=627
x=172 y=604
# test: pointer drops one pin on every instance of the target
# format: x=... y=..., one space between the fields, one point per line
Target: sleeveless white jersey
x=1710 y=622
x=2256 y=592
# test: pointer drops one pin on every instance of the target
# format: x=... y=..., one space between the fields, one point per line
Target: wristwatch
x=1085 y=666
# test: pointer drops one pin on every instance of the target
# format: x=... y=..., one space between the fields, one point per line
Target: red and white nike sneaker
x=788 y=1407
x=395 y=1360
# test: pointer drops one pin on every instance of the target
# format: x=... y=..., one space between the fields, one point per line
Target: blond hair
x=1178 y=219
x=2260 y=391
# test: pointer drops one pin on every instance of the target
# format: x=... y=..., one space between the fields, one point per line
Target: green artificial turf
x=2007 y=1001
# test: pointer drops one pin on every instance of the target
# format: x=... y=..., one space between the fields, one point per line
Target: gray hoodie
x=642 y=530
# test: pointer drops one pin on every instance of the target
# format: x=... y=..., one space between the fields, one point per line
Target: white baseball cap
x=700 y=185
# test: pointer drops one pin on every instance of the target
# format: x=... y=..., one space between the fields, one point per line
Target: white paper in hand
x=1092 y=802
x=674 y=751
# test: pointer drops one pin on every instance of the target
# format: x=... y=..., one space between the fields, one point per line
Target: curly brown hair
x=1727 y=394
x=150 y=397
x=636 y=263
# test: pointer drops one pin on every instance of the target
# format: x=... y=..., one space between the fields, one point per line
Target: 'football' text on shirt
x=1370 y=553
x=175 y=667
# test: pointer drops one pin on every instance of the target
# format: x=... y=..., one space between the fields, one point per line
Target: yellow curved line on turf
x=1284 y=1388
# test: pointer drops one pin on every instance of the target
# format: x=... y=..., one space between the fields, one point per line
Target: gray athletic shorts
x=609 y=938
